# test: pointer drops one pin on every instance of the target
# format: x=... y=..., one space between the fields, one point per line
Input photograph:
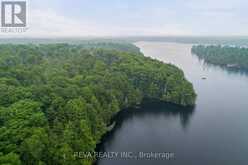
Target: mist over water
x=213 y=133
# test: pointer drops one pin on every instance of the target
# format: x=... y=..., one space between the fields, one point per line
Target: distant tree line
x=233 y=57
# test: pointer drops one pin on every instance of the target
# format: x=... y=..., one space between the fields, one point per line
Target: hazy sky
x=136 y=17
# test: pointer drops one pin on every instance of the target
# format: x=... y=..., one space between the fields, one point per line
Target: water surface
x=215 y=132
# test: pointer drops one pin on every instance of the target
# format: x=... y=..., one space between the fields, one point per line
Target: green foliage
x=9 y=159
x=58 y=99
x=235 y=57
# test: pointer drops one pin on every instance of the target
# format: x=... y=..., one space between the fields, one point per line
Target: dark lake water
x=215 y=132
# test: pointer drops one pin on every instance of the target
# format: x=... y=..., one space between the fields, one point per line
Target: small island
x=228 y=56
x=58 y=99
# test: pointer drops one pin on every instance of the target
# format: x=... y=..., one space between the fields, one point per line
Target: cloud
x=48 y=23
x=87 y=18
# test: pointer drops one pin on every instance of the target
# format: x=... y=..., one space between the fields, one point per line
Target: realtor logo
x=13 y=14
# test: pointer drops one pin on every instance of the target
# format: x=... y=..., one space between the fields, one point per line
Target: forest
x=229 y=56
x=57 y=99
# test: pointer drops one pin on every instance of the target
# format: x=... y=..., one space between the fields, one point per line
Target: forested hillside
x=58 y=99
x=234 y=57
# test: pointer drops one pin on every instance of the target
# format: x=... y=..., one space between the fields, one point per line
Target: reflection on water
x=229 y=70
x=148 y=116
x=242 y=72
x=156 y=110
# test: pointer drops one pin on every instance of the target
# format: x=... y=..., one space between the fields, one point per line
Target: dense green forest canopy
x=236 y=57
x=57 y=99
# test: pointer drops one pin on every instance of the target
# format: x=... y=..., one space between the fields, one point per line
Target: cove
x=214 y=132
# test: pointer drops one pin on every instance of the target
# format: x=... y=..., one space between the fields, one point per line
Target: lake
x=215 y=132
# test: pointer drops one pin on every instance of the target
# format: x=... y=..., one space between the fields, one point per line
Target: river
x=215 y=132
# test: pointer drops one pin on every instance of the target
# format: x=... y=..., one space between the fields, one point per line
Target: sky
x=81 y=18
